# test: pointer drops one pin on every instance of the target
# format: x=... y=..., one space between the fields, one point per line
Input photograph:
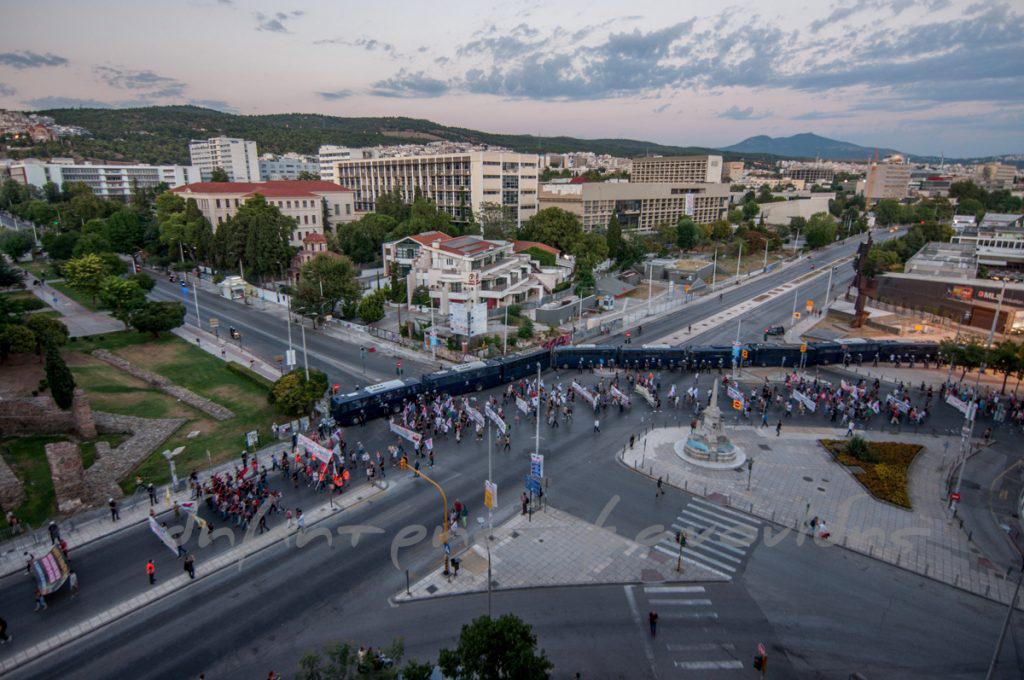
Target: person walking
x=73 y=583
x=525 y=502
x=597 y=425
x=54 y=533
x=151 y=572
x=40 y=600
x=114 y=513
x=850 y=426
x=660 y=491
x=632 y=439
x=190 y=566
x=778 y=429
x=652 y=619
x=4 y=636
x=151 y=490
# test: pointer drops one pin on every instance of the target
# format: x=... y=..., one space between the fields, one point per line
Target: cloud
x=57 y=102
x=662 y=108
x=6 y=90
x=368 y=44
x=748 y=113
x=410 y=85
x=215 y=104
x=28 y=59
x=275 y=23
x=821 y=115
x=152 y=84
x=336 y=95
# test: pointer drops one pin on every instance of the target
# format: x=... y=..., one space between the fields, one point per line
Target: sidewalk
x=553 y=548
x=94 y=524
x=251 y=544
x=794 y=478
x=79 y=320
x=930 y=376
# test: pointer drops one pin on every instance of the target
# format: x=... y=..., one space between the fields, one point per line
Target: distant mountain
x=160 y=134
x=806 y=145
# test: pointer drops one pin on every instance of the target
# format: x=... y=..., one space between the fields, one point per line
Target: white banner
x=901 y=405
x=321 y=453
x=475 y=415
x=406 y=433
x=537 y=465
x=584 y=392
x=163 y=535
x=622 y=397
x=645 y=393
x=523 y=406
x=808 y=403
x=495 y=418
x=958 y=403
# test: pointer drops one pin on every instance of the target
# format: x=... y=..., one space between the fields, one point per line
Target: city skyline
x=924 y=77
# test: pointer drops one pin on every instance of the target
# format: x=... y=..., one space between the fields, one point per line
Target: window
x=336 y=212
x=348 y=209
x=305 y=219
x=314 y=218
x=216 y=202
x=289 y=205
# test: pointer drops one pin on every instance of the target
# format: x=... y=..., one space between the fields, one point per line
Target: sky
x=925 y=77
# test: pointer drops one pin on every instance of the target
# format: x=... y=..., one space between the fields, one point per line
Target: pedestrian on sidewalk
x=54 y=533
x=778 y=428
x=525 y=502
x=151 y=490
x=151 y=572
x=652 y=619
x=660 y=491
x=114 y=513
x=850 y=427
x=190 y=566
x=632 y=438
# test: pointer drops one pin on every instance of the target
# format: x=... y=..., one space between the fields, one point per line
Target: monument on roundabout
x=707 y=445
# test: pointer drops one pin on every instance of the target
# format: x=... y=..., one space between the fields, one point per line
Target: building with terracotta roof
x=303 y=201
x=471 y=269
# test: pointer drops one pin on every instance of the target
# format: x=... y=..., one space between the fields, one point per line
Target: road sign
x=810 y=305
x=533 y=485
x=737 y=404
x=955 y=496
x=918 y=327
x=796 y=315
x=214 y=322
x=447 y=549
x=803 y=348
x=289 y=358
x=537 y=465
x=490 y=494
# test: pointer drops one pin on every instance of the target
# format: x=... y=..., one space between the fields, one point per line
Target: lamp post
x=714 y=270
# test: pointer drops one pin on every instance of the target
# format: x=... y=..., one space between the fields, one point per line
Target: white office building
x=330 y=154
x=236 y=157
x=106 y=181
x=287 y=166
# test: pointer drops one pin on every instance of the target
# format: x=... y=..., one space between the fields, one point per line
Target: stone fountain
x=707 y=445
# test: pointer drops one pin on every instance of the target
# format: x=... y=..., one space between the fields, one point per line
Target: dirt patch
x=20 y=376
x=152 y=355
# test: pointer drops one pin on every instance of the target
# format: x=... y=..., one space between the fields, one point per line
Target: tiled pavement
x=554 y=548
x=794 y=479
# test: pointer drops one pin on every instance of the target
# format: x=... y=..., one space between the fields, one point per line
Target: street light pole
x=536 y=446
x=195 y=297
x=1006 y=625
x=765 y=267
x=650 y=286
x=504 y=338
x=828 y=290
x=792 y=317
x=305 y=355
x=739 y=258
x=714 y=270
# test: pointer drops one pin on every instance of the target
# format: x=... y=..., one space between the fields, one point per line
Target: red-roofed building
x=302 y=200
x=470 y=269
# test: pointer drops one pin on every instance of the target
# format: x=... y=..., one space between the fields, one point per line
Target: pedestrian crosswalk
x=683 y=613
x=717 y=538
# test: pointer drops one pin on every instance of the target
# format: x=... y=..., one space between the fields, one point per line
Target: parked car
x=775 y=330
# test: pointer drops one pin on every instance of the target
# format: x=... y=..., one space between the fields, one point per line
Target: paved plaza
x=794 y=479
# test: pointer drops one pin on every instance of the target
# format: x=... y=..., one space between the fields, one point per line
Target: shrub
x=59 y=378
x=858 y=448
x=564 y=285
x=525 y=329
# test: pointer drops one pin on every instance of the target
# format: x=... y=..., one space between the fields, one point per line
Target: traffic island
x=791 y=479
x=553 y=548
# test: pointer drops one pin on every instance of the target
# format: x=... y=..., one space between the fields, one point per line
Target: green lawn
x=76 y=295
x=41 y=269
x=116 y=392
x=27 y=459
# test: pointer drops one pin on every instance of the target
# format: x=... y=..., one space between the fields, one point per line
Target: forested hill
x=160 y=134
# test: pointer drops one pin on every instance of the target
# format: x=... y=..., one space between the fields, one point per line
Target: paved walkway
x=79 y=320
x=795 y=479
x=554 y=548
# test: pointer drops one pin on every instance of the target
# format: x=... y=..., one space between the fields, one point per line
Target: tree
x=144 y=280
x=392 y=205
x=821 y=230
x=555 y=227
x=497 y=221
x=721 y=230
x=687 y=233
x=881 y=260
x=362 y=240
x=888 y=212
x=307 y=176
x=60 y=246
x=970 y=206
x=47 y=331
x=613 y=237
x=85 y=274
x=525 y=331
x=371 y=308
x=259 y=235
x=10 y=275
x=125 y=231
x=157 y=317
x=341 y=662
x=15 y=339
x=59 y=378
x=665 y=237
x=324 y=281
x=1005 y=358
x=585 y=281
x=121 y=296
x=219 y=175
x=494 y=649
x=421 y=296
x=295 y=396
x=91 y=243
x=15 y=244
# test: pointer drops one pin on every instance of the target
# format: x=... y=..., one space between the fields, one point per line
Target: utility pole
x=736 y=345
x=305 y=355
x=714 y=270
x=1006 y=625
x=195 y=297
x=765 y=267
x=536 y=445
x=650 y=287
x=828 y=290
x=739 y=258
x=792 y=317
x=504 y=339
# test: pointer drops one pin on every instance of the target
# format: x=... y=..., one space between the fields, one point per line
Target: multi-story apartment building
x=287 y=166
x=301 y=200
x=459 y=183
x=994 y=176
x=330 y=154
x=236 y=157
x=106 y=181
x=638 y=207
x=812 y=174
x=471 y=269
x=734 y=171
x=887 y=181
x=677 y=169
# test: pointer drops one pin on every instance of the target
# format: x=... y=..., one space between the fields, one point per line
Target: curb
x=173 y=585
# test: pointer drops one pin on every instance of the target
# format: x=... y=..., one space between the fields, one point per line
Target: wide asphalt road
x=821 y=612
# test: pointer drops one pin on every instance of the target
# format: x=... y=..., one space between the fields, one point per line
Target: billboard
x=467 y=319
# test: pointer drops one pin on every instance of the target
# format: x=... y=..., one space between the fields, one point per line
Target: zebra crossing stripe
x=708 y=665
x=667 y=590
x=701 y=647
x=689 y=560
x=725 y=539
x=704 y=547
x=720 y=508
x=681 y=603
x=725 y=522
x=706 y=539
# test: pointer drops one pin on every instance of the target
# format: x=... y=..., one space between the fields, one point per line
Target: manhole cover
x=431 y=589
x=808 y=479
x=764 y=447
